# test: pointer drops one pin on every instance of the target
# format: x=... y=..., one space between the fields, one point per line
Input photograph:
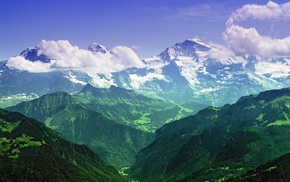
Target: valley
x=217 y=143
x=144 y=91
x=115 y=123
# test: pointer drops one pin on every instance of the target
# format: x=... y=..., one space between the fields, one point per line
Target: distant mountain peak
x=188 y=48
x=194 y=44
x=116 y=89
x=87 y=87
x=32 y=55
x=30 y=49
x=197 y=41
x=95 y=47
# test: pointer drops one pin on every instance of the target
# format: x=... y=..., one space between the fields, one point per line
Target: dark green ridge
x=134 y=109
x=219 y=143
x=116 y=143
x=106 y=119
x=32 y=152
x=275 y=170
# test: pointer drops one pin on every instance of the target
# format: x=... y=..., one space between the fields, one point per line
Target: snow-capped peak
x=32 y=54
x=197 y=41
x=26 y=51
x=188 y=48
x=95 y=47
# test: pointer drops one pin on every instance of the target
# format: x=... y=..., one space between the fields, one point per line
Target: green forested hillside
x=116 y=143
x=134 y=109
x=219 y=143
x=275 y=170
x=29 y=151
x=116 y=123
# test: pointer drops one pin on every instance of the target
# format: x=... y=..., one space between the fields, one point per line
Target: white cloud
x=223 y=54
x=21 y=63
x=248 y=40
x=276 y=70
x=136 y=47
x=127 y=57
x=270 y=11
x=66 y=56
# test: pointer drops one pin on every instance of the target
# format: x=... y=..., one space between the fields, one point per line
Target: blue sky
x=146 y=26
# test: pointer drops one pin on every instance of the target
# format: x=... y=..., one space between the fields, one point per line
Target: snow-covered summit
x=189 y=48
x=32 y=54
x=95 y=47
x=190 y=70
x=197 y=41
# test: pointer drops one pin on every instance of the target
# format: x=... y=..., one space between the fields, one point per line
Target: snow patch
x=138 y=81
x=73 y=78
x=103 y=82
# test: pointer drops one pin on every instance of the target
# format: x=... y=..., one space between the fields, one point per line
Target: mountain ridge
x=277 y=169
x=187 y=71
x=139 y=110
x=31 y=151
x=219 y=143
x=116 y=143
x=106 y=120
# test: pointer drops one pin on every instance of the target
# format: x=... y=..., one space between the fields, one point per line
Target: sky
x=148 y=27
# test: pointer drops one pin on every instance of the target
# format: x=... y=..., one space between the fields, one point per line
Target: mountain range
x=189 y=71
x=247 y=140
x=116 y=143
x=195 y=112
x=115 y=123
x=29 y=151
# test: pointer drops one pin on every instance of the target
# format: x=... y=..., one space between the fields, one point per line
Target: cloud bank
x=248 y=40
x=20 y=63
x=66 y=56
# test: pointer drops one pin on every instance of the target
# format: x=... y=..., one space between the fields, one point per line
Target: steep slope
x=194 y=71
x=45 y=107
x=116 y=143
x=29 y=151
x=219 y=143
x=275 y=170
